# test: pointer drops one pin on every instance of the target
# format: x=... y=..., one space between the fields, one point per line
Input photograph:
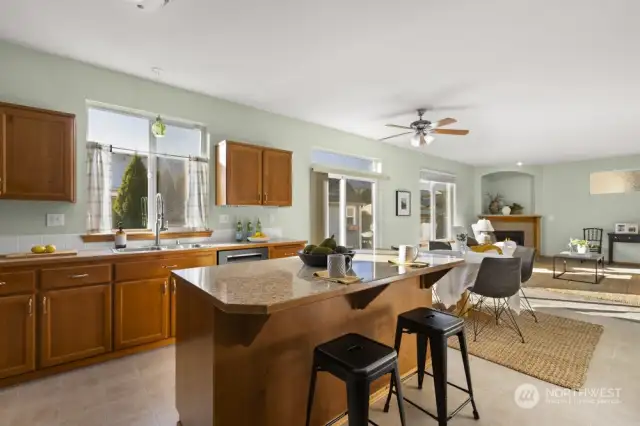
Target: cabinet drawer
x=132 y=271
x=284 y=251
x=75 y=276
x=17 y=282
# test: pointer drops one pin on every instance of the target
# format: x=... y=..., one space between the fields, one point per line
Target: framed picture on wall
x=403 y=203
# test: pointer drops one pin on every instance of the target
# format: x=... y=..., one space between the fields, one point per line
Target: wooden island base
x=254 y=370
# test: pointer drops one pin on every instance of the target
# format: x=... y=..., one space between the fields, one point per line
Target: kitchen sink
x=161 y=248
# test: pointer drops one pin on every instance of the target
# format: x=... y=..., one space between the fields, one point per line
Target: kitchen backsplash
x=23 y=243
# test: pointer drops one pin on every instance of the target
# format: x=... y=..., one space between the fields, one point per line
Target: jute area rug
x=623 y=299
x=557 y=349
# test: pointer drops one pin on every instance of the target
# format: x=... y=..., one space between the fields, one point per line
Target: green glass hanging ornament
x=158 y=128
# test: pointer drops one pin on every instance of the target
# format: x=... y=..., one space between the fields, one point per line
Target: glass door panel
x=333 y=210
x=425 y=215
x=359 y=221
x=441 y=195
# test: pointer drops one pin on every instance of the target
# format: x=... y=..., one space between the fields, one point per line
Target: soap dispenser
x=121 y=237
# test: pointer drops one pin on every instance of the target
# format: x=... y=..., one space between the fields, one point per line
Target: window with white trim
x=143 y=165
x=437 y=205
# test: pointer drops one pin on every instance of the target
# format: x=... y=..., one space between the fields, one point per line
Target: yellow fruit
x=50 y=248
x=38 y=249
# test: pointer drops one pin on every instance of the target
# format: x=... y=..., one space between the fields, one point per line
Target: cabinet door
x=142 y=312
x=38 y=155
x=276 y=178
x=244 y=175
x=17 y=334
x=74 y=324
x=279 y=252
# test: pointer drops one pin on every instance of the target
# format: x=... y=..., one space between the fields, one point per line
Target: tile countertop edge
x=343 y=290
x=108 y=255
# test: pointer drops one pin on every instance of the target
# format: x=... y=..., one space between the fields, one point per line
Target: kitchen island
x=246 y=334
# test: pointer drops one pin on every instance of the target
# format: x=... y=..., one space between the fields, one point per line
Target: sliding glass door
x=437 y=210
x=350 y=211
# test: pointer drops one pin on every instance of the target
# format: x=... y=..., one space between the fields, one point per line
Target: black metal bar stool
x=434 y=327
x=356 y=360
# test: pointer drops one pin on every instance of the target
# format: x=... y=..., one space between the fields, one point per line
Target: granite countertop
x=268 y=286
x=107 y=254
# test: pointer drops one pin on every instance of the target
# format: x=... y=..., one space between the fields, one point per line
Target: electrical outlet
x=224 y=218
x=56 y=219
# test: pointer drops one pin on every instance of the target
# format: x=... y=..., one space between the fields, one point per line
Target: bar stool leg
x=396 y=346
x=312 y=390
x=467 y=371
x=439 y=357
x=395 y=374
x=421 y=340
x=358 y=402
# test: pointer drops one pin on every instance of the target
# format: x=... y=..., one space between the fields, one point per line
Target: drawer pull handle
x=169 y=266
x=31 y=306
x=175 y=286
x=44 y=305
x=79 y=276
x=164 y=288
x=3 y=283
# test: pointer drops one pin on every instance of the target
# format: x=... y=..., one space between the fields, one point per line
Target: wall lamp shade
x=484 y=225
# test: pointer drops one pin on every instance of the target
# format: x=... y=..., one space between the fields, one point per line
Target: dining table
x=451 y=288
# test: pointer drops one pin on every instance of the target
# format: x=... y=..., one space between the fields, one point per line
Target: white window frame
x=153 y=154
x=451 y=206
x=342 y=237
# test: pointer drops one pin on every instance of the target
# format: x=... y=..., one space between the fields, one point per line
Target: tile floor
x=138 y=391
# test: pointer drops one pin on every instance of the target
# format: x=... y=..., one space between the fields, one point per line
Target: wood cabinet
x=252 y=175
x=75 y=323
x=141 y=312
x=174 y=293
x=278 y=252
x=17 y=335
x=37 y=154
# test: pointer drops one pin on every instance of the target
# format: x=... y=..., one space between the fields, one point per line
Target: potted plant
x=582 y=246
x=516 y=208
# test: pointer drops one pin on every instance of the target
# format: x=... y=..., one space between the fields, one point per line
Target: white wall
x=33 y=78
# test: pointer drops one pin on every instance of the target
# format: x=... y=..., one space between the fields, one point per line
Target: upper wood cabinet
x=248 y=175
x=37 y=154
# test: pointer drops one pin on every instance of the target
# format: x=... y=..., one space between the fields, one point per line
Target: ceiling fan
x=423 y=130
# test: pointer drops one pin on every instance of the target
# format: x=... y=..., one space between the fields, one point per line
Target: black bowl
x=318 y=260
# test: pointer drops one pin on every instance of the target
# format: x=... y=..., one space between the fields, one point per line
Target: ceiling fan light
x=415 y=140
x=430 y=139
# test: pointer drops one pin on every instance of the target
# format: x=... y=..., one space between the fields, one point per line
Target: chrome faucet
x=161 y=224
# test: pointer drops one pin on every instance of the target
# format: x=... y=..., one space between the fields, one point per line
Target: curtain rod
x=159 y=154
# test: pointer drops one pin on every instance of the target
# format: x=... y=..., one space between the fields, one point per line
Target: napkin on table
x=411 y=264
x=343 y=280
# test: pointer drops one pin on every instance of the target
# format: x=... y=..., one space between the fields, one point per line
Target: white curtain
x=99 y=190
x=198 y=195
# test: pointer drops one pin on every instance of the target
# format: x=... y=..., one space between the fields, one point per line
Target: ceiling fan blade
x=395 y=136
x=445 y=122
x=399 y=127
x=451 y=132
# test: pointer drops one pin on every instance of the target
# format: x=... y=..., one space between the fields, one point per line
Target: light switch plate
x=224 y=218
x=55 y=219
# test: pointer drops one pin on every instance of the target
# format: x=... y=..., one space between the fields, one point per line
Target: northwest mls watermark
x=528 y=396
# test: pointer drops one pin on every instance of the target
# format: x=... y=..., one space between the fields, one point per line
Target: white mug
x=408 y=254
x=338 y=265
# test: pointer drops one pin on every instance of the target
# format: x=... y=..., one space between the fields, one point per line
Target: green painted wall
x=33 y=78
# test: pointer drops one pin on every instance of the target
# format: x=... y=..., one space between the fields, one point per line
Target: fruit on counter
x=329 y=243
x=322 y=250
x=309 y=248
x=38 y=249
x=50 y=248
x=342 y=250
x=260 y=235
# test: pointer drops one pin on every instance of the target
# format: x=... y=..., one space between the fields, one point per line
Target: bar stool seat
x=358 y=361
x=433 y=328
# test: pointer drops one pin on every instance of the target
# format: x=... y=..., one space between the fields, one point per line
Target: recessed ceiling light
x=519 y=164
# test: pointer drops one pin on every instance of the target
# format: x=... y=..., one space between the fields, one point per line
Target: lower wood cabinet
x=174 y=293
x=17 y=335
x=141 y=312
x=279 y=252
x=74 y=323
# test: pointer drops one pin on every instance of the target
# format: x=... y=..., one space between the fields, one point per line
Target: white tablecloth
x=452 y=286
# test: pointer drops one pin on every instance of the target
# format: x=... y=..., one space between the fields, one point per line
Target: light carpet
x=623 y=299
x=557 y=349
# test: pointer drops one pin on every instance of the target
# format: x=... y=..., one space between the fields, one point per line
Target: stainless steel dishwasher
x=243 y=255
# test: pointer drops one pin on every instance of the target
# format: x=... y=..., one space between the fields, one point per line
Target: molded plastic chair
x=527 y=255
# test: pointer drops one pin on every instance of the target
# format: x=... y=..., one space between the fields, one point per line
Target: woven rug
x=623 y=299
x=557 y=349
